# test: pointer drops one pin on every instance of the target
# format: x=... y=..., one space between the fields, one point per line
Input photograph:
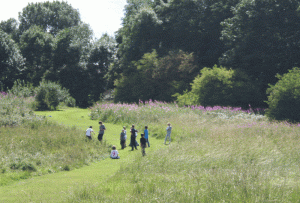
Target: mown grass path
x=55 y=187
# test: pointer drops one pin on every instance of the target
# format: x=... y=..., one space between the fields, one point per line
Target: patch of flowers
x=152 y=111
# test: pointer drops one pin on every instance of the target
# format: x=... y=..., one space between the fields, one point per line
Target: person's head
x=100 y=122
x=91 y=126
x=146 y=127
x=113 y=147
x=132 y=126
x=122 y=130
x=142 y=135
x=124 y=127
x=169 y=124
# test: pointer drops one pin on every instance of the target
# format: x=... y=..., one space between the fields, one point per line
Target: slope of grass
x=214 y=159
x=55 y=187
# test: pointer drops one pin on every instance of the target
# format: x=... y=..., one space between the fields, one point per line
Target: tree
x=51 y=16
x=36 y=47
x=10 y=27
x=140 y=32
x=263 y=38
x=11 y=61
x=71 y=52
x=99 y=61
x=284 y=97
x=156 y=78
x=219 y=86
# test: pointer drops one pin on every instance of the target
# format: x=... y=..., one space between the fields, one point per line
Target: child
x=89 y=132
x=114 y=153
x=169 y=128
x=122 y=139
x=146 y=135
x=143 y=144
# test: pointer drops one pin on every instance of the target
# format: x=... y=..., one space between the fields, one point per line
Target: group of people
x=144 y=140
x=90 y=130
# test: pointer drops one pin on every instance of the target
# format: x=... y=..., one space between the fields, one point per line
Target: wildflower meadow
x=216 y=155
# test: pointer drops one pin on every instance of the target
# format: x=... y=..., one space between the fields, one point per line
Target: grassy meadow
x=216 y=155
x=31 y=145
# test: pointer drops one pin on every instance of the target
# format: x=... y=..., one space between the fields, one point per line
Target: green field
x=215 y=156
x=56 y=187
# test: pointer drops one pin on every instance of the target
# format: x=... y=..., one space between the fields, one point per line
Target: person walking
x=143 y=144
x=101 y=131
x=89 y=132
x=132 y=137
x=146 y=135
x=169 y=128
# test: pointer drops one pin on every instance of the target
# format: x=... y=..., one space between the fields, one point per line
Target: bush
x=50 y=94
x=219 y=86
x=284 y=97
x=22 y=89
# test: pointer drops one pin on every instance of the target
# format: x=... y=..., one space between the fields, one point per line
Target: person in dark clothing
x=143 y=142
x=133 y=141
x=122 y=139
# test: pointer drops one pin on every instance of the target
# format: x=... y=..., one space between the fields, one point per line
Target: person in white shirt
x=89 y=132
x=114 y=153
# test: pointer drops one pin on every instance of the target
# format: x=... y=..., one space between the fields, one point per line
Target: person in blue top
x=169 y=128
x=146 y=135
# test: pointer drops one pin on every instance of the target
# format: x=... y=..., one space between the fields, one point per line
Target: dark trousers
x=100 y=136
x=122 y=143
x=143 y=146
x=133 y=143
x=147 y=141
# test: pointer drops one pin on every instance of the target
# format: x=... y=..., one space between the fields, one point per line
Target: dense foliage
x=156 y=78
x=221 y=87
x=51 y=42
x=157 y=52
x=284 y=97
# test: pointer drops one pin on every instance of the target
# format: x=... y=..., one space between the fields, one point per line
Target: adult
x=132 y=137
x=122 y=139
x=169 y=128
x=146 y=132
x=101 y=131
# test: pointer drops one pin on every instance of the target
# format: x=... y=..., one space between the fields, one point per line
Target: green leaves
x=284 y=97
x=51 y=16
x=11 y=61
x=219 y=86
x=262 y=38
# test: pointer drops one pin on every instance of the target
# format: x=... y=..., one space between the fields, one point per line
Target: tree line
x=160 y=52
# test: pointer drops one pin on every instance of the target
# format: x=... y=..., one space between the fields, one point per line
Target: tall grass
x=30 y=145
x=14 y=110
x=233 y=158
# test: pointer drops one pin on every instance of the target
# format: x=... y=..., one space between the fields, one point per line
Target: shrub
x=284 y=97
x=50 y=94
x=219 y=86
x=22 y=89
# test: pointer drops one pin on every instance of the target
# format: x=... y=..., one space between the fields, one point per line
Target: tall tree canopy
x=51 y=16
x=11 y=61
x=37 y=47
x=263 y=38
